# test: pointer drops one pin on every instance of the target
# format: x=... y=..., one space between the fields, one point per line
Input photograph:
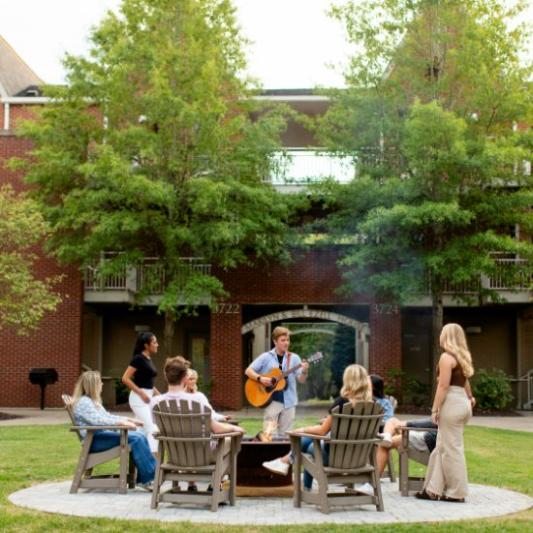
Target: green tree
x=435 y=91
x=156 y=148
x=23 y=299
x=343 y=349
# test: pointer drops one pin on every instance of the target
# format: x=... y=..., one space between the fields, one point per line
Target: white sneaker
x=277 y=466
x=386 y=440
x=148 y=487
x=366 y=488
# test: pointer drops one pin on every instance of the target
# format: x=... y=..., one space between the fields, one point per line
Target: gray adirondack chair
x=186 y=454
x=409 y=483
x=352 y=459
x=83 y=476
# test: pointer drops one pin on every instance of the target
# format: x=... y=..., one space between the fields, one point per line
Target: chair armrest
x=299 y=434
x=407 y=429
x=224 y=435
x=100 y=428
x=356 y=441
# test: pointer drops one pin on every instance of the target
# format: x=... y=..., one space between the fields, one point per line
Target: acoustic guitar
x=259 y=395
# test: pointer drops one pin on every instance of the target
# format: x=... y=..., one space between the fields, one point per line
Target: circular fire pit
x=253 y=454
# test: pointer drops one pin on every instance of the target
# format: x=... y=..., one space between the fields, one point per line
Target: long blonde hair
x=88 y=384
x=191 y=373
x=453 y=341
x=356 y=384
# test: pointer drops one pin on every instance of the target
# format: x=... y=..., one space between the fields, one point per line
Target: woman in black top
x=139 y=378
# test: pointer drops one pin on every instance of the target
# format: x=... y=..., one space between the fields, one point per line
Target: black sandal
x=449 y=499
x=423 y=495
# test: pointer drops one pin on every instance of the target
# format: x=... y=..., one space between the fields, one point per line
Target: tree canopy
x=434 y=117
x=156 y=147
x=24 y=300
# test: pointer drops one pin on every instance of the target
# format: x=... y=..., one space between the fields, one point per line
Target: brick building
x=95 y=325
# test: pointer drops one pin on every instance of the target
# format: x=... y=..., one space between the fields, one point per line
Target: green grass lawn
x=30 y=455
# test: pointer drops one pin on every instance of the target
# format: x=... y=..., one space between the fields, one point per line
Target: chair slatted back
x=185 y=431
x=354 y=423
x=67 y=400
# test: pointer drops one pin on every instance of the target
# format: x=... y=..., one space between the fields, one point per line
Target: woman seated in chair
x=88 y=411
x=355 y=387
x=378 y=393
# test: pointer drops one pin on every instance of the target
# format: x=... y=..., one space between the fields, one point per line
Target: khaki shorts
x=416 y=440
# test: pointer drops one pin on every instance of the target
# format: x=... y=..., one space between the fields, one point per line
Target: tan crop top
x=458 y=379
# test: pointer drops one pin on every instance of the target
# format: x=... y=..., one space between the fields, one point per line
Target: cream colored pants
x=446 y=473
x=278 y=418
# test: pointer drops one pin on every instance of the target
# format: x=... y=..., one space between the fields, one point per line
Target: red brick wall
x=57 y=342
x=21 y=112
x=311 y=279
x=226 y=365
x=385 y=338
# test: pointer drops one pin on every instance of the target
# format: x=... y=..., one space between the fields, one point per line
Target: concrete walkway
x=33 y=416
x=482 y=502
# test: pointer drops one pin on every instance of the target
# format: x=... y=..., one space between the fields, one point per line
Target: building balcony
x=142 y=283
x=297 y=168
x=512 y=286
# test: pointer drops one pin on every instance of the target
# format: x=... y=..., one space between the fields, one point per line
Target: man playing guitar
x=281 y=411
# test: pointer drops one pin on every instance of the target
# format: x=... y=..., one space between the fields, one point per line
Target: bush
x=492 y=389
x=407 y=389
x=121 y=392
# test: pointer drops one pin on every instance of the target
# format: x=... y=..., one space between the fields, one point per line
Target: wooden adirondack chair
x=409 y=483
x=352 y=459
x=83 y=477
x=186 y=454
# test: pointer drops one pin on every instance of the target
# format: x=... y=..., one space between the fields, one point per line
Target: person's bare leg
x=392 y=426
x=383 y=453
x=382 y=458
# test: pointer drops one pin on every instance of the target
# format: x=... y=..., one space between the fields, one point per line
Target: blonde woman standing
x=88 y=411
x=356 y=387
x=446 y=477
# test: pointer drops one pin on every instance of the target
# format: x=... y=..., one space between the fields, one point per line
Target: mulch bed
x=5 y=416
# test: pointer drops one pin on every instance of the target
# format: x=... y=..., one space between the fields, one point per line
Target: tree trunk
x=170 y=322
x=437 y=319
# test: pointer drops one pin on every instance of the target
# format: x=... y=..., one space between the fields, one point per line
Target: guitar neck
x=291 y=370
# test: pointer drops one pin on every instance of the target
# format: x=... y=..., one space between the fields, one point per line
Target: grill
x=43 y=377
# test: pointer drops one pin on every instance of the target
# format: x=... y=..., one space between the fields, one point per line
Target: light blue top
x=387 y=408
x=269 y=360
x=88 y=413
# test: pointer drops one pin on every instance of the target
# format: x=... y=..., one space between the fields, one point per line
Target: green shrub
x=407 y=389
x=121 y=392
x=492 y=389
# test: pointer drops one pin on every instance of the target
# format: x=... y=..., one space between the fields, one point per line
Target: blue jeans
x=307 y=446
x=142 y=456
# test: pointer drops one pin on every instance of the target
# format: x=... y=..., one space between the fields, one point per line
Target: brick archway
x=362 y=329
